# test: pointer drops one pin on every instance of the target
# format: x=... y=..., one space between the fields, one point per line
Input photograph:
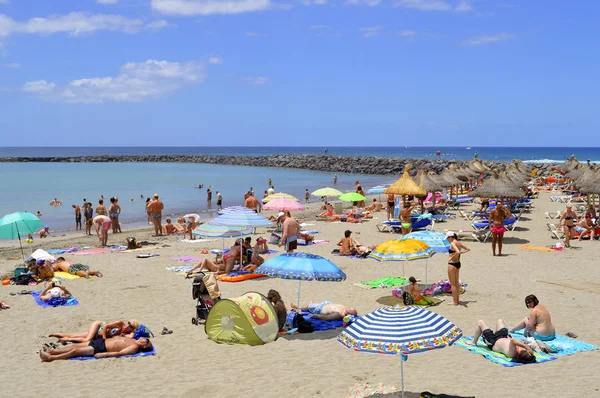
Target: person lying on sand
x=538 y=324
x=52 y=291
x=72 y=268
x=501 y=342
x=98 y=348
x=327 y=311
x=100 y=330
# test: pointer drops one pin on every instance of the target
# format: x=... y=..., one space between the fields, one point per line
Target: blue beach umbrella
x=396 y=330
x=15 y=225
x=242 y=218
x=221 y=231
x=232 y=209
x=302 y=267
x=436 y=240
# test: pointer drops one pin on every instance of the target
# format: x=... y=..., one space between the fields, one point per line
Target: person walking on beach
x=101 y=209
x=568 y=220
x=306 y=196
x=496 y=223
x=391 y=204
x=208 y=196
x=456 y=249
x=114 y=211
x=219 y=201
x=77 y=217
x=289 y=232
x=88 y=213
x=155 y=208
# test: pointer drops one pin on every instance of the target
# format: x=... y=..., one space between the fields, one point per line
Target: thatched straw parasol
x=569 y=164
x=591 y=188
x=589 y=175
x=405 y=185
x=428 y=182
x=448 y=178
x=497 y=187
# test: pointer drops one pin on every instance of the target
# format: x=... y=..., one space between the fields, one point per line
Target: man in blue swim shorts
x=538 y=324
x=327 y=311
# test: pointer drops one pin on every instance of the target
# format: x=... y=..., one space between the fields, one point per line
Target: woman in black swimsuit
x=456 y=249
x=567 y=220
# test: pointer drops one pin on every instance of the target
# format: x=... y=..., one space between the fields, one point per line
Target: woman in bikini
x=405 y=217
x=456 y=249
x=233 y=255
x=568 y=220
x=100 y=330
x=114 y=210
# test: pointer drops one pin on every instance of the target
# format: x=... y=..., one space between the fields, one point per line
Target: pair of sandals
x=204 y=251
x=166 y=331
x=22 y=292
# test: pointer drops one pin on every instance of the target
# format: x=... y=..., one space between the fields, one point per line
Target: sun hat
x=450 y=234
x=281 y=214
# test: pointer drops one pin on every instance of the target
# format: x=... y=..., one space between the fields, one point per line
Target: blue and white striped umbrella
x=233 y=209
x=396 y=330
x=435 y=240
x=242 y=218
x=221 y=231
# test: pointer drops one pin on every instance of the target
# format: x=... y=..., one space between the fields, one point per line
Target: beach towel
x=180 y=268
x=195 y=240
x=564 y=345
x=497 y=357
x=58 y=302
x=58 y=276
x=96 y=250
x=302 y=242
x=319 y=324
x=309 y=232
x=61 y=251
x=394 y=300
x=185 y=259
x=385 y=282
x=139 y=354
x=537 y=248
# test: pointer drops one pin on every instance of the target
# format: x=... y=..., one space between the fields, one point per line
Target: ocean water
x=31 y=187
x=557 y=154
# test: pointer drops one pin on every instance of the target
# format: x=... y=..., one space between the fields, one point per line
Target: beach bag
x=142 y=331
x=407 y=298
x=303 y=325
x=274 y=238
x=131 y=244
x=24 y=279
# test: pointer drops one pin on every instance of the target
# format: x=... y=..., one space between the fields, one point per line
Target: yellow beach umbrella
x=403 y=250
x=327 y=192
x=279 y=195
x=405 y=185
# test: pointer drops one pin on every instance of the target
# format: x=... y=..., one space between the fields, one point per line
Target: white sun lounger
x=553 y=216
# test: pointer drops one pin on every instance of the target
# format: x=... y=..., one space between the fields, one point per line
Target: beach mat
x=302 y=242
x=497 y=357
x=393 y=300
x=58 y=276
x=320 y=324
x=195 y=240
x=44 y=304
x=309 y=232
x=564 y=345
x=185 y=259
x=139 y=354
x=61 y=251
x=537 y=248
x=96 y=250
x=385 y=282
x=180 y=268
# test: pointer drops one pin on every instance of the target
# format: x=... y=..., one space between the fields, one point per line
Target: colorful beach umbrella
x=396 y=330
x=15 y=225
x=436 y=240
x=210 y=230
x=327 y=191
x=232 y=209
x=403 y=250
x=302 y=267
x=242 y=218
x=283 y=204
x=279 y=195
x=352 y=197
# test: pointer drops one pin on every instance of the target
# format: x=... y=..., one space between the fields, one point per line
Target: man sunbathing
x=72 y=268
x=98 y=348
x=538 y=323
x=52 y=291
x=327 y=311
x=501 y=342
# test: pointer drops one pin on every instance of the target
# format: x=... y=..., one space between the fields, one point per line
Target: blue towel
x=310 y=232
x=60 y=251
x=271 y=251
x=217 y=251
x=54 y=302
x=564 y=345
x=181 y=268
x=320 y=324
x=139 y=354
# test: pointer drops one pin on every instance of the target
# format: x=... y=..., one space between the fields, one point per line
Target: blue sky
x=298 y=72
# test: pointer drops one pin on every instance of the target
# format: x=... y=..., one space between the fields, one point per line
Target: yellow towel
x=64 y=275
x=538 y=248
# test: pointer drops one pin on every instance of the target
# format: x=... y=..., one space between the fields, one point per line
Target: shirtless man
x=77 y=217
x=538 y=324
x=327 y=311
x=501 y=342
x=219 y=201
x=42 y=270
x=252 y=203
x=289 y=232
x=391 y=204
x=155 y=208
x=98 y=348
x=44 y=232
x=81 y=270
x=101 y=209
x=208 y=196
x=170 y=228
x=405 y=217
x=496 y=223
x=587 y=225
x=347 y=246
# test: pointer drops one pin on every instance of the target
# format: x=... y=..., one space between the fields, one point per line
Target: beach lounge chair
x=481 y=236
x=389 y=226
x=466 y=216
x=552 y=216
x=557 y=233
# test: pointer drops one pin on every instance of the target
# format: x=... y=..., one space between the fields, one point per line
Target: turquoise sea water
x=31 y=187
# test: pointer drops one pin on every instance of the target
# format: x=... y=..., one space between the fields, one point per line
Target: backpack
x=303 y=325
x=24 y=279
x=142 y=331
x=407 y=298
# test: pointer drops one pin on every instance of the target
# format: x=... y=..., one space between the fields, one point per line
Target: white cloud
x=370 y=31
x=74 y=24
x=370 y=3
x=409 y=34
x=209 y=7
x=161 y=23
x=257 y=80
x=464 y=6
x=215 y=60
x=11 y=65
x=136 y=82
x=425 y=5
x=107 y=1
x=486 y=39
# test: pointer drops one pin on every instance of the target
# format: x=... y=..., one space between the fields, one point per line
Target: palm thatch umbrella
x=497 y=187
x=450 y=178
x=569 y=164
x=428 y=183
x=588 y=175
x=405 y=185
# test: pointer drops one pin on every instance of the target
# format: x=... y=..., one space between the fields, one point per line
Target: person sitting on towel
x=500 y=341
x=72 y=268
x=98 y=348
x=52 y=291
x=41 y=269
x=327 y=311
x=261 y=245
x=100 y=330
x=275 y=299
x=538 y=324
x=417 y=293
x=347 y=245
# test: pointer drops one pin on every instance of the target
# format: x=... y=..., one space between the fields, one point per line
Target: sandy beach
x=188 y=364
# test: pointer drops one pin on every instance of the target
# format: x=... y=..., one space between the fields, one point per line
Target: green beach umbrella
x=15 y=225
x=352 y=197
x=327 y=192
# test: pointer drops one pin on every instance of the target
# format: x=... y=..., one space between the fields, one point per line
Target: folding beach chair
x=390 y=226
x=557 y=233
x=468 y=217
x=552 y=216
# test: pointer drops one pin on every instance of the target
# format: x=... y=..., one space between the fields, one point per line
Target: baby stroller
x=205 y=290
